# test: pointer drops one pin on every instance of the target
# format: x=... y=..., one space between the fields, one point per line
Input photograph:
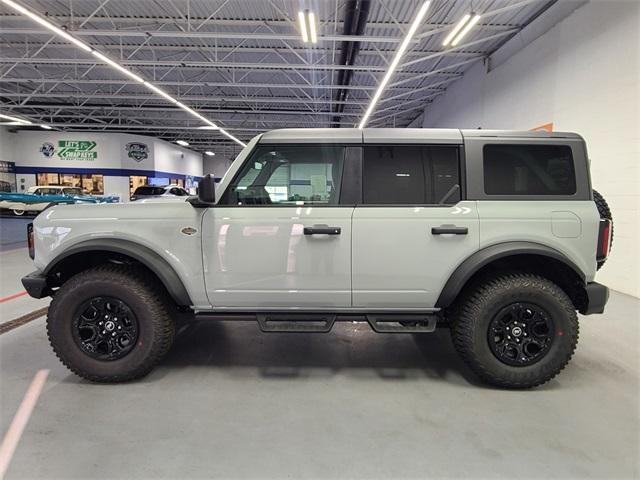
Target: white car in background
x=146 y=192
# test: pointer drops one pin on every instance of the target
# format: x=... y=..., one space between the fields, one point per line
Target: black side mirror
x=207 y=189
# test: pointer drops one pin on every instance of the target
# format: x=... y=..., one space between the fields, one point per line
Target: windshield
x=149 y=191
x=72 y=191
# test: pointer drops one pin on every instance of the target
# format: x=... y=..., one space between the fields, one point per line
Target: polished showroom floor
x=231 y=402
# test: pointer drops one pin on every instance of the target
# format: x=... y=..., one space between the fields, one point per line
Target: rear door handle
x=449 y=230
x=322 y=230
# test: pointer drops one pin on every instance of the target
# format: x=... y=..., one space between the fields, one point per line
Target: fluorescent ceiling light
x=58 y=31
x=465 y=30
x=208 y=127
x=456 y=29
x=182 y=143
x=396 y=60
x=46 y=127
x=303 y=27
x=160 y=92
x=15 y=119
x=117 y=66
x=209 y=153
x=312 y=27
x=47 y=24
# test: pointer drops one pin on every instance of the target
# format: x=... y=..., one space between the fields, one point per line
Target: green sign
x=77 y=150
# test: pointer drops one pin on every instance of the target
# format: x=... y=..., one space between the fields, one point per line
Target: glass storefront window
x=92 y=184
x=135 y=182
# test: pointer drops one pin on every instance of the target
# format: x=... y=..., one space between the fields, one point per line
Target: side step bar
x=398 y=323
x=296 y=322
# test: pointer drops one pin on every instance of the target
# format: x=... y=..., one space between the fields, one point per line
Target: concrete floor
x=231 y=402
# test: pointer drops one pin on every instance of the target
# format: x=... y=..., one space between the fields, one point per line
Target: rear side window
x=410 y=175
x=528 y=170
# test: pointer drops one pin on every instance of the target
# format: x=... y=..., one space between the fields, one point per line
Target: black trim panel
x=35 y=284
x=475 y=262
x=142 y=254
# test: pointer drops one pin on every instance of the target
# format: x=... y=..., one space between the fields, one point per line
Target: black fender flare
x=147 y=257
x=485 y=256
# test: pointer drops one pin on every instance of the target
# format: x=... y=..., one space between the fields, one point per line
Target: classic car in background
x=40 y=197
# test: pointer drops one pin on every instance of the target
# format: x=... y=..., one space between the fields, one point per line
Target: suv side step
x=296 y=322
x=399 y=323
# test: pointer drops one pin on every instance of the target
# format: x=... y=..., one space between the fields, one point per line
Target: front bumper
x=597 y=296
x=36 y=285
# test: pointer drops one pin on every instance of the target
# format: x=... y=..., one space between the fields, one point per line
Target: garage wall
x=582 y=76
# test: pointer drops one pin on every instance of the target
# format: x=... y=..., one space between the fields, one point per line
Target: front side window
x=296 y=175
x=528 y=170
x=411 y=175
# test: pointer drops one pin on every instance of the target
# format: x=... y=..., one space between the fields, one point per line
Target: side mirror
x=207 y=189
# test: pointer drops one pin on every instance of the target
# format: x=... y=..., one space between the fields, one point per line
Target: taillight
x=604 y=239
x=30 y=244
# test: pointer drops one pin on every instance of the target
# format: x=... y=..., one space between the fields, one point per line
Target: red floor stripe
x=11 y=297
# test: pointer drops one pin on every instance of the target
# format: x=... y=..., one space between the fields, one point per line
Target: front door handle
x=449 y=230
x=322 y=230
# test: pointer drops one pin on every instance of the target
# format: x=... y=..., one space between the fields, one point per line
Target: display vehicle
x=145 y=192
x=496 y=235
x=39 y=198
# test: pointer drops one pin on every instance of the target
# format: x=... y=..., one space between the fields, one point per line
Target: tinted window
x=142 y=191
x=72 y=191
x=414 y=175
x=289 y=174
x=528 y=170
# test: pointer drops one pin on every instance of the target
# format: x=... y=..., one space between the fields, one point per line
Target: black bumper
x=597 y=296
x=36 y=285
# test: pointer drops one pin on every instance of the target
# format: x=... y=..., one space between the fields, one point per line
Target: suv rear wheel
x=108 y=324
x=515 y=330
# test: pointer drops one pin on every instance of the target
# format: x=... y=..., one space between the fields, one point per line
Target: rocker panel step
x=399 y=323
x=296 y=322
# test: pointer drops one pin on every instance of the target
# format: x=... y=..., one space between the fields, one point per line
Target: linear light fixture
x=209 y=153
x=308 y=30
x=58 y=31
x=456 y=29
x=396 y=60
x=15 y=120
x=46 y=127
x=182 y=143
x=463 y=27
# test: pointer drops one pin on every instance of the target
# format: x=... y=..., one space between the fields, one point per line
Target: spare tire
x=605 y=212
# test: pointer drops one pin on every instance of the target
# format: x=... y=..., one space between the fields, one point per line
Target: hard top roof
x=395 y=135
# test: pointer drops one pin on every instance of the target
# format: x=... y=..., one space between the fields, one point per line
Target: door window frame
x=462 y=178
x=346 y=188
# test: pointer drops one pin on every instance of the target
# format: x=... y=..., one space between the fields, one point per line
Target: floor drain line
x=24 y=319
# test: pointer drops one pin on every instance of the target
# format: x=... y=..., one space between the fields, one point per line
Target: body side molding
x=483 y=257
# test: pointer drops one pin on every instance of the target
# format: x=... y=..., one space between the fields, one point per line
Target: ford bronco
x=496 y=235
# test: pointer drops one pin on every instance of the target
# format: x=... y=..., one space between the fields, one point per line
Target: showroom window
x=289 y=175
x=411 y=175
x=528 y=170
x=90 y=183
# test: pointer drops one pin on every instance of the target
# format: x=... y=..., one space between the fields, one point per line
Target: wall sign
x=77 y=150
x=137 y=151
x=47 y=149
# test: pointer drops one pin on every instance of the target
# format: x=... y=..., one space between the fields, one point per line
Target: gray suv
x=496 y=235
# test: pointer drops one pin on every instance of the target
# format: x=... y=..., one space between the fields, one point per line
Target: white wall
x=583 y=76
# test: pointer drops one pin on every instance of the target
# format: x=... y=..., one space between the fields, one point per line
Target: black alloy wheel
x=105 y=328
x=521 y=334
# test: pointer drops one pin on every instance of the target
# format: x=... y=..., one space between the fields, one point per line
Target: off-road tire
x=474 y=311
x=605 y=212
x=141 y=292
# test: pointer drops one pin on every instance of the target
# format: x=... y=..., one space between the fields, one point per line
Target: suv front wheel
x=108 y=324
x=515 y=330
